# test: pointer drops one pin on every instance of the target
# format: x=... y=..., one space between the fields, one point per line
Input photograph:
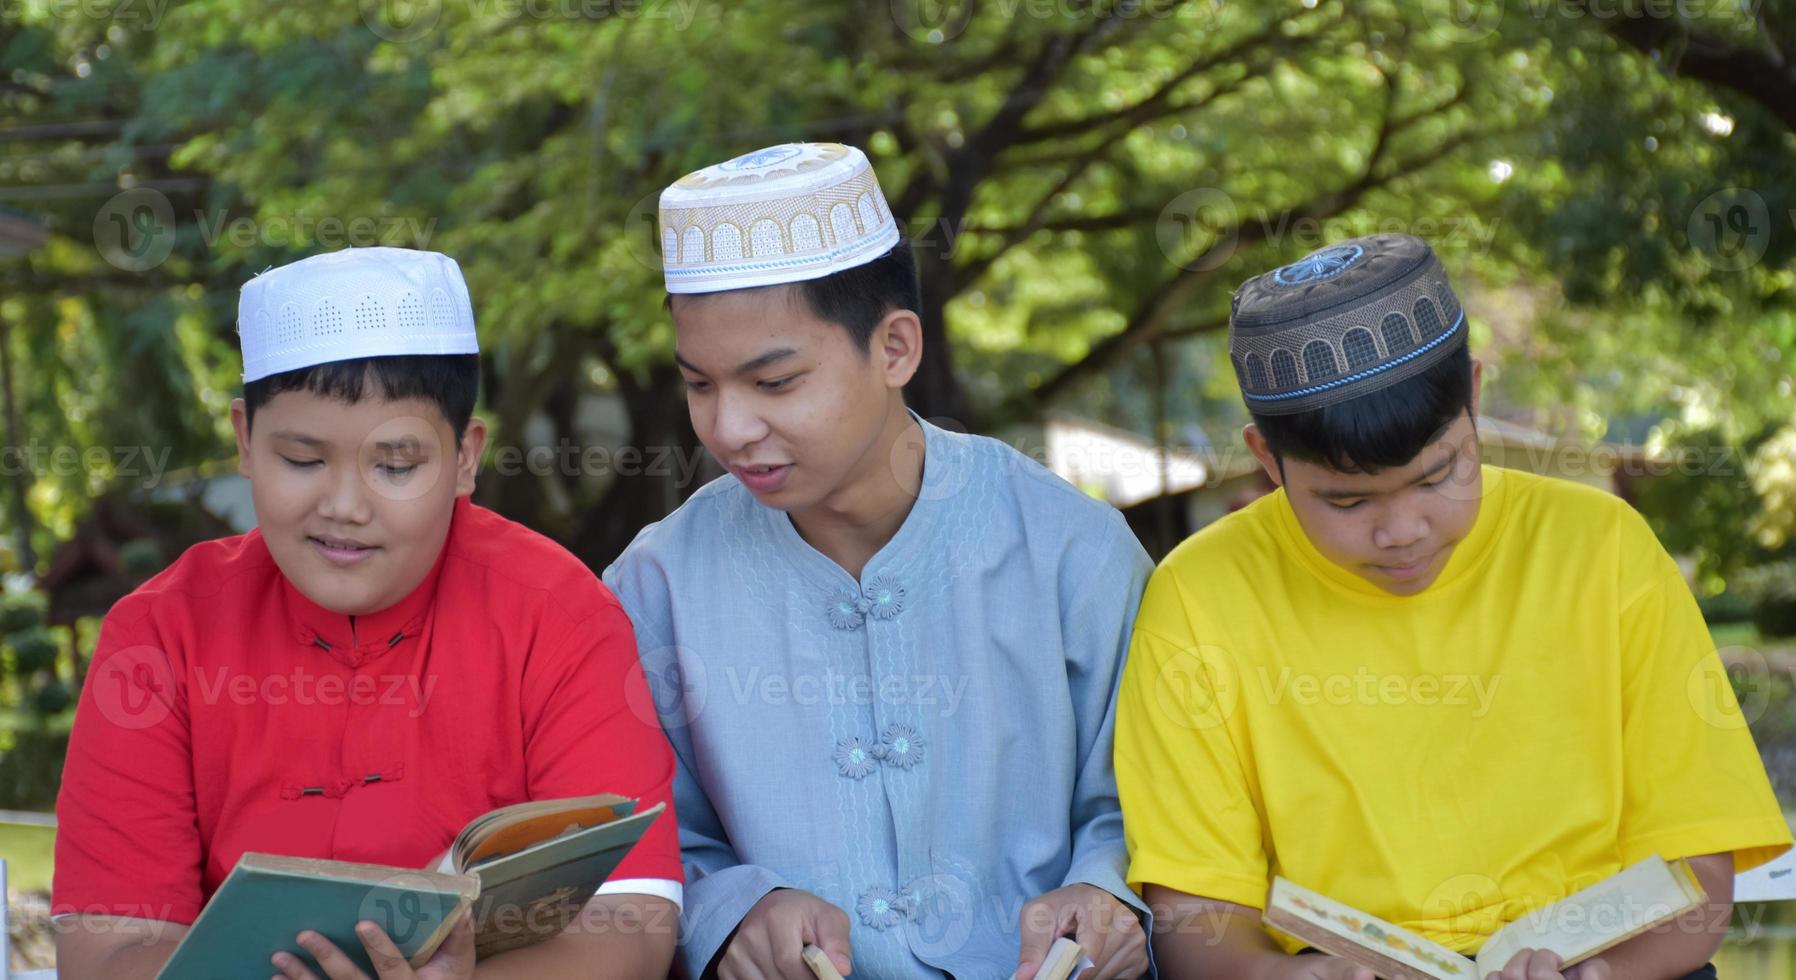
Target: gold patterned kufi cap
x=787 y=213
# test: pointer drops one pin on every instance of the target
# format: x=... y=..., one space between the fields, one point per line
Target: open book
x=1576 y=927
x=525 y=871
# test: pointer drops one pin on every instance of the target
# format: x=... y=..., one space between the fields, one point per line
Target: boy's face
x=786 y=401
x=1395 y=528
x=354 y=501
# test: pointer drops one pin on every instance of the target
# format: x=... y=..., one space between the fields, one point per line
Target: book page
x=513 y=828
x=1774 y=882
x=1589 y=921
x=1341 y=930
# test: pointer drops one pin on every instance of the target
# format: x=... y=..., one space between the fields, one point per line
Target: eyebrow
x=403 y=444
x=299 y=437
x=749 y=366
x=1433 y=471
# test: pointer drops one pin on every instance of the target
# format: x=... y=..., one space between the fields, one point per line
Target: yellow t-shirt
x=1548 y=711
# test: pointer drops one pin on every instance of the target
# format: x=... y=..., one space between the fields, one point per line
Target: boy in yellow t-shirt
x=1441 y=692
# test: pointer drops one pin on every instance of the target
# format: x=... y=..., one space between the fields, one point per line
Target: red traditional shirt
x=225 y=712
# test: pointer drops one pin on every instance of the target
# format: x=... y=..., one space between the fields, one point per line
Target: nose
x=346 y=499
x=1398 y=529
x=736 y=423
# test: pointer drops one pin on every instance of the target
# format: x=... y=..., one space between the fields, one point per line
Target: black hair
x=860 y=297
x=1380 y=429
x=449 y=381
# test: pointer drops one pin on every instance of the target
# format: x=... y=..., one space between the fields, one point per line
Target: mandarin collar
x=355 y=640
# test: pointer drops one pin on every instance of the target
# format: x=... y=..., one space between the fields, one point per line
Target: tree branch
x=1760 y=74
x=1155 y=105
x=1037 y=219
x=1149 y=320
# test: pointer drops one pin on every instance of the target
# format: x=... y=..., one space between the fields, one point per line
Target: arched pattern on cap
x=1360 y=349
x=807 y=234
x=764 y=239
x=726 y=243
x=1428 y=319
x=1256 y=372
x=289 y=324
x=1319 y=361
x=1397 y=338
x=411 y=313
x=1284 y=370
x=328 y=318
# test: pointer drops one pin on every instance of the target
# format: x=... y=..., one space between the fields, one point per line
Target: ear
x=240 y=425
x=897 y=343
x=1477 y=386
x=467 y=458
x=1256 y=444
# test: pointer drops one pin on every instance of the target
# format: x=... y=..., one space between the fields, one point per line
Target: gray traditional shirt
x=928 y=748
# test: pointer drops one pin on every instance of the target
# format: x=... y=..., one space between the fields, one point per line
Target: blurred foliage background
x=1611 y=185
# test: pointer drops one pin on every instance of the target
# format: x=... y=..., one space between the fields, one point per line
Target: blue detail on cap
x=1326 y=264
x=762 y=158
x=1362 y=375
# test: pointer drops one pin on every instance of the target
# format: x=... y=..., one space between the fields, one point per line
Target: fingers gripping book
x=1577 y=927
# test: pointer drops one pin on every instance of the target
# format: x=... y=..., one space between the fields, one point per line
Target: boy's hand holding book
x=454 y=960
x=773 y=936
x=1106 y=930
x=1540 y=964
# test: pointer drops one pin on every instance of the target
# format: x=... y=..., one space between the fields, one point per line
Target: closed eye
x=778 y=384
x=697 y=387
x=302 y=464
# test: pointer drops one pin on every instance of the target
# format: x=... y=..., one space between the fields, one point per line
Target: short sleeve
x=1693 y=782
x=128 y=840
x=590 y=727
x=1189 y=810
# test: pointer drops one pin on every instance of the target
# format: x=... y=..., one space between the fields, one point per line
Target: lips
x=763 y=478
x=1407 y=571
x=341 y=551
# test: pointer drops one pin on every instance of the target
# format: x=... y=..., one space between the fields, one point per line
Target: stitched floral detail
x=885 y=598
x=900 y=745
x=855 y=758
x=847 y=611
x=881 y=908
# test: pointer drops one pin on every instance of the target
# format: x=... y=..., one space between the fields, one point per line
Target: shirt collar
x=359 y=639
x=945 y=473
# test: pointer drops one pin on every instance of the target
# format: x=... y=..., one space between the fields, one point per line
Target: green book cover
x=267 y=900
x=530 y=895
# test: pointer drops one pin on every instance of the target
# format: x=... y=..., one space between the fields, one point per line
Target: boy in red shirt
x=377 y=663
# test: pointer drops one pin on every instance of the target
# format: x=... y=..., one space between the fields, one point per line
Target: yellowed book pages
x=1576 y=927
x=1612 y=911
x=1390 y=951
x=818 y=961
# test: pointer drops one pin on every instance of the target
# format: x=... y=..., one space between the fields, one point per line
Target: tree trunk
x=20 y=483
x=934 y=392
x=667 y=471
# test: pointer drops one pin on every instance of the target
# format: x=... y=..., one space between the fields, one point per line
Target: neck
x=858 y=518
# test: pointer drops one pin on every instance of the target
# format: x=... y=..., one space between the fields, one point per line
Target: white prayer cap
x=787 y=213
x=359 y=302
